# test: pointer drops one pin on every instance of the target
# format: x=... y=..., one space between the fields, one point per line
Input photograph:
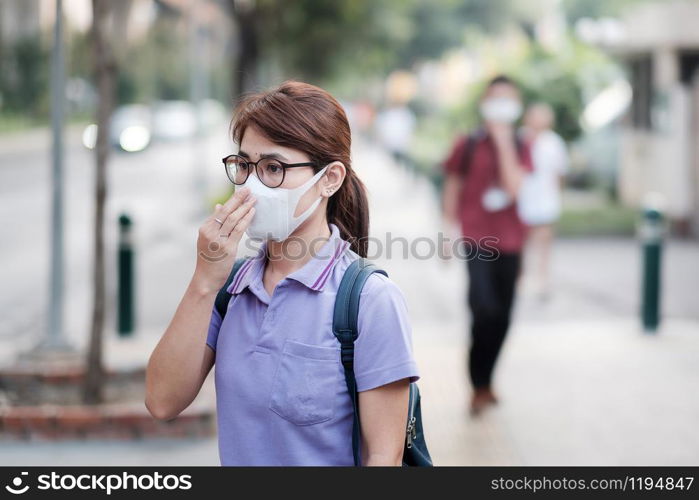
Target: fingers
x=234 y=217
x=222 y=211
x=211 y=219
x=243 y=224
x=240 y=195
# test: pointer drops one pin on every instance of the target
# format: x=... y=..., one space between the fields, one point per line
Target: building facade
x=660 y=137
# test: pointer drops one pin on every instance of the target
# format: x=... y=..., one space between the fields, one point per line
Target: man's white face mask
x=501 y=109
x=275 y=207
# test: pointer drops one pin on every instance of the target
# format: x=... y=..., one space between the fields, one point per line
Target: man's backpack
x=345 y=317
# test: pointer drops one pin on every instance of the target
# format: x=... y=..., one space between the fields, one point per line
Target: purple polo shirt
x=280 y=386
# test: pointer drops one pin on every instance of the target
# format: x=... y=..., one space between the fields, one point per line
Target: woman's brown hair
x=307 y=118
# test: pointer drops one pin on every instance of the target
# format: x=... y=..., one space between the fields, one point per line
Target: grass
x=17 y=123
x=10 y=122
x=607 y=220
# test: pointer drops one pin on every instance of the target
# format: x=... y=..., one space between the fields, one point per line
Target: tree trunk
x=245 y=68
x=105 y=77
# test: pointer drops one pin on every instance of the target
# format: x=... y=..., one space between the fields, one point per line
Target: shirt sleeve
x=452 y=165
x=383 y=351
x=214 y=327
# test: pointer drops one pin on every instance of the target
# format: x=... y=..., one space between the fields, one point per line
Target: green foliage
x=565 y=79
x=24 y=78
x=157 y=67
x=79 y=60
x=551 y=78
x=312 y=39
x=438 y=26
x=324 y=40
x=564 y=94
x=346 y=45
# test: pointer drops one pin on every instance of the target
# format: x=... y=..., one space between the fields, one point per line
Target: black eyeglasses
x=270 y=171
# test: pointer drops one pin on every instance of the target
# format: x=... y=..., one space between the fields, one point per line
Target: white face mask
x=275 y=207
x=501 y=109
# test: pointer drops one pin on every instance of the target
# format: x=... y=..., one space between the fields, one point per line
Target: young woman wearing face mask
x=280 y=387
x=483 y=175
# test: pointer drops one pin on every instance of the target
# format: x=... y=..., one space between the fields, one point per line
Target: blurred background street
x=580 y=382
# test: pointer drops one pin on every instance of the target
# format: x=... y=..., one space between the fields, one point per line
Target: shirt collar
x=314 y=274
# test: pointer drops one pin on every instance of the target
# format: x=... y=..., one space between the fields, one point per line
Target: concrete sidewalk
x=579 y=383
x=572 y=393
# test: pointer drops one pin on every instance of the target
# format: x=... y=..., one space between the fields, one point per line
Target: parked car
x=134 y=127
x=130 y=129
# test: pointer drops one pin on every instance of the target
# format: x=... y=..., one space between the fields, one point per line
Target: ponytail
x=348 y=209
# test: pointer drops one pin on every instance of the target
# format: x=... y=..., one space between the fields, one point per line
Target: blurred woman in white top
x=539 y=203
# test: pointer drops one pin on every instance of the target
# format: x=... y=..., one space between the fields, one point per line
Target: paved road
x=579 y=383
x=158 y=188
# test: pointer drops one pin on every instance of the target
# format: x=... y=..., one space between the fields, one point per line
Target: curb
x=108 y=421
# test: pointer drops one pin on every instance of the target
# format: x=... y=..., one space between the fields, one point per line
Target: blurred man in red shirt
x=483 y=175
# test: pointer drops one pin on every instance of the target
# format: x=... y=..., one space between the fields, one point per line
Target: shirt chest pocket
x=305 y=385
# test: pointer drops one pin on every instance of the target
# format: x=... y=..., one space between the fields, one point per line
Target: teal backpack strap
x=345 y=329
x=467 y=157
x=223 y=297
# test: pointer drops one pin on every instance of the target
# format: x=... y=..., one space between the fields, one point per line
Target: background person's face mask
x=275 y=207
x=501 y=109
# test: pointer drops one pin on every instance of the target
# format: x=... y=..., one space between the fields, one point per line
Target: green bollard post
x=652 y=229
x=125 y=293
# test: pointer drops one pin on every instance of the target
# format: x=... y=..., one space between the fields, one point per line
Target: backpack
x=345 y=317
